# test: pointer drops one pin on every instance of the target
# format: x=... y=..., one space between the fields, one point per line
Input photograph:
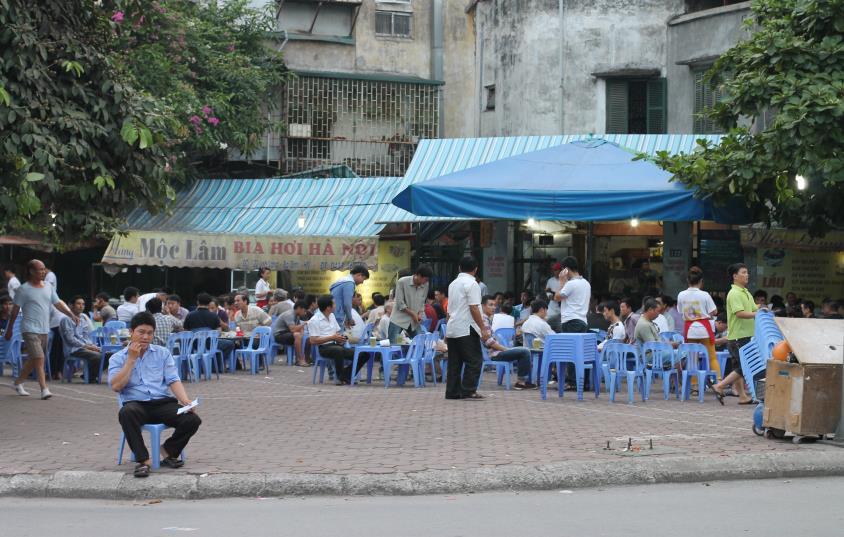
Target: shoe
x=454 y=397
x=475 y=396
x=21 y=391
x=524 y=386
x=46 y=394
x=141 y=470
x=552 y=383
x=172 y=462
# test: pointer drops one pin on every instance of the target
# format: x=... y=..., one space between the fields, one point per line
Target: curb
x=563 y=475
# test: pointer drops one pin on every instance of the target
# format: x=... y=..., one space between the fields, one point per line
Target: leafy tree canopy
x=790 y=69
x=110 y=105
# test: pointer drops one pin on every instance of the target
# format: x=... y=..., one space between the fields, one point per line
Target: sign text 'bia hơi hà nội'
x=165 y=249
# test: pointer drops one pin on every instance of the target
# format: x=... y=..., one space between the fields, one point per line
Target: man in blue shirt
x=146 y=378
x=343 y=291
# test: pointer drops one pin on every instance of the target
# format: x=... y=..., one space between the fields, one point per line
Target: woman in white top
x=262 y=288
x=698 y=310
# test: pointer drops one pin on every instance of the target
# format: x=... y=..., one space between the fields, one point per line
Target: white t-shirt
x=537 y=326
x=384 y=327
x=575 y=305
x=321 y=326
x=261 y=289
x=142 y=301
x=502 y=320
x=553 y=306
x=126 y=311
x=694 y=304
x=615 y=331
x=463 y=292
x=662 y=323
x=12 y=286
x=359 y=326
x=51 y=279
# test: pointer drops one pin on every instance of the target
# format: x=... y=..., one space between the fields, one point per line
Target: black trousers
x=340 y=354
x=463 y=351
x=56 y=356
x=574 y=326
x=135 y=414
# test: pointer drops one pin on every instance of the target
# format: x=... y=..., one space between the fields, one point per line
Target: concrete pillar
x=497 y=273
x=676 y=256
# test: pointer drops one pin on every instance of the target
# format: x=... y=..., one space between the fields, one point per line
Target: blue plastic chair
x=407 y=363
x=17 y=356
x=695 y=359
x=506 y=337
x=535 y=356
x=578 y=349
x=203 y=355
x=384 y=352
x=260 y=337
x=672 y=337
x=442 y=328
x=752 y=363
x=502 y=369
x=71 y=363
x=660 y=363
x=115 y=325
x=617 y=358
x=102 y=336
x=722 y=356
x=187 y=355
x=154 y=430
x=429 y=356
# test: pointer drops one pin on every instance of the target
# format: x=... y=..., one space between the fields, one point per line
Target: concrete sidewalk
x=284 y=436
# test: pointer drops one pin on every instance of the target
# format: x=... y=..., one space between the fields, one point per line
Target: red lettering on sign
x=238 y=247
x=314 y=249
x=328 y=249
x=289 y=248
x=258 y=248
x=347 y=248
x=276 y=248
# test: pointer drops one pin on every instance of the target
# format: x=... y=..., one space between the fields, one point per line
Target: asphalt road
x=770 y=508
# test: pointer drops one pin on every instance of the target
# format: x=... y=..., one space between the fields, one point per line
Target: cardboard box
x=804 y=399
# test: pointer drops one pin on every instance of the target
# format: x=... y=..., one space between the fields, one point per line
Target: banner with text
x=393 y=256
x=810 y=275
x=164 y=249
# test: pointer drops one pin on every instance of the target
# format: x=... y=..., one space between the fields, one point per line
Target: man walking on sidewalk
x=36 y=298
x=464 y=332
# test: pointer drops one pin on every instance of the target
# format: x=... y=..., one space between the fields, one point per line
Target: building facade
x=369 y=82
x=598 y=66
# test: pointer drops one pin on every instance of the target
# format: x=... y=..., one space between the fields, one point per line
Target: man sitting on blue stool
x=146 y=377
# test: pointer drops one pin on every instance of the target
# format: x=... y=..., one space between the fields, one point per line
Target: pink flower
x=213 y=121
x=117 y=17
x=231 y=47
x=206 y=110
x=139 y=22
x=196 y=120
x=198 y=130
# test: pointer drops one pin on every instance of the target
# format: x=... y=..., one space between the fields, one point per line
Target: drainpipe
x=480 y=94
x=562 y=15
x=437 y=21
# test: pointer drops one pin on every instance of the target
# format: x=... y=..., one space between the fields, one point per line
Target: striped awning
x=331 y=207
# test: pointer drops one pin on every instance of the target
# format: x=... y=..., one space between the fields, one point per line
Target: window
x=636 y=106
x=706 y=96
x=490 y=97
x=701 y=5
x=392 y=23
x=318 y=18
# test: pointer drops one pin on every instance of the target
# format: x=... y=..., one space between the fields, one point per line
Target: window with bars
x=706 y=96
x=392 y=23
x=490 y=97
x=371 y=126
x=636 y=106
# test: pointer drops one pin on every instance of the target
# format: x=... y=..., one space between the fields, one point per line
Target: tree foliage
x=109 y=105
x=790 y=69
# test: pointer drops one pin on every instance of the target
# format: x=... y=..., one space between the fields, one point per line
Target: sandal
x=141 y=470
x=475 y=395
x=749 y=402
x=172 y=462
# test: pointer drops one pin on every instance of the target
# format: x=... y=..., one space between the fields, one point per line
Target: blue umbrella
x=586 y=180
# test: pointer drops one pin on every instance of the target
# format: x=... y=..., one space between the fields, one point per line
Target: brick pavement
x=286 y=424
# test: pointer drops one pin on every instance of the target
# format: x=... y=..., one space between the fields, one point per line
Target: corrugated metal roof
x=332 y=207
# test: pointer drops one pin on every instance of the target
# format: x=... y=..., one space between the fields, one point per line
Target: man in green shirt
x=741 y=315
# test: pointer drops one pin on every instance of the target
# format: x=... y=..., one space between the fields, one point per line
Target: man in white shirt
x=464 y=331
x=536 y=325
x=160 y=294
x=611 y=310
x=383 y=327
x=12 y=282
x=357 y=328
x=51 y=279
x=661 y=321
x=249 y=317
x=504 y=319
x=552 y=287
x=574 y=297
x=324 y=332
x=129 y=308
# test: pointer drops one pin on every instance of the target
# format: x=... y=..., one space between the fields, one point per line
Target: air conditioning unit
x=545 y=239
x=299 y=130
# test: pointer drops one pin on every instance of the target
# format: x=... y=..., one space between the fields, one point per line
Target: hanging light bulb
x=301 y=221
x=634 y=222
x=801 y=182
x=531 y=222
